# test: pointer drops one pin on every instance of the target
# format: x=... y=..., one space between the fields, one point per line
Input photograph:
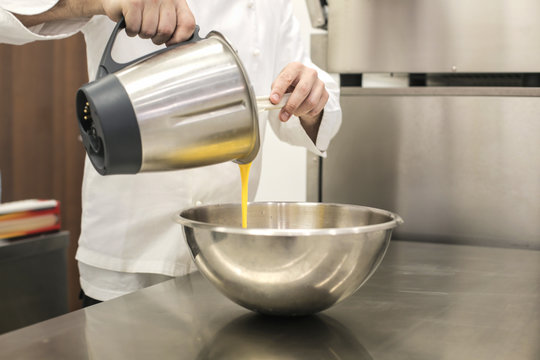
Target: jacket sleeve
x=292 y=131
x=12 y=31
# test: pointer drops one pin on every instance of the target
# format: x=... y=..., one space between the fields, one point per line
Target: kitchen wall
x=40 y=155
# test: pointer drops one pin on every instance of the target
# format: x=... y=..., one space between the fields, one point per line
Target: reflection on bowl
x=294 y=258
x=255 y=336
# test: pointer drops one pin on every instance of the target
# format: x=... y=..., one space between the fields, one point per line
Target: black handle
x=107 y=65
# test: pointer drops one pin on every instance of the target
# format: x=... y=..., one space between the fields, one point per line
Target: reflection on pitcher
x=254 y=336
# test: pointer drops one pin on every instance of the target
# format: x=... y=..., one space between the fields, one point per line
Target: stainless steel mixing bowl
x=294 y=258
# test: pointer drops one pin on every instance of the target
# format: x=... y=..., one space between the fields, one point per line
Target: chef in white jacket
x=128 y=238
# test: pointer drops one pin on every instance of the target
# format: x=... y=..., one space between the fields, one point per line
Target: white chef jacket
x=128 y=237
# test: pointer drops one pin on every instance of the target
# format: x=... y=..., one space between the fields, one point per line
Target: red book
x=21 y=218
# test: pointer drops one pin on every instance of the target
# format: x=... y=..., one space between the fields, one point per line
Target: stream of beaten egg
x=263 y=104
x=244 y=175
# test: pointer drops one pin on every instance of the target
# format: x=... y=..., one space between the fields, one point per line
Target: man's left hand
x=308 y=96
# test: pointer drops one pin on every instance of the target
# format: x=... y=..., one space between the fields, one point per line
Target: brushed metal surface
x=294 y=258
x=194 y=106
x=313 y=177
x=317 y=13
x=478 y=91
x=433 y=36
x=319 y=49
x=425 y=302
x=456 y=168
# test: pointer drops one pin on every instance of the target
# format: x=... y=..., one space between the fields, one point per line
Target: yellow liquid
x=244 y=175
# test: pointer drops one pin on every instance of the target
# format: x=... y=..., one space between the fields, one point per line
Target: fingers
x=286 y=80
x=315 y=101
x=185 y=24
x=163 y=21
x=166 y=25
x=308 y=97
x=113 y=9
x=150 y=20
x=133 y=18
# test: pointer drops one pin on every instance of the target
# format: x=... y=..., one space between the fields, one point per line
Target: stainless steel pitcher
x=185 y=106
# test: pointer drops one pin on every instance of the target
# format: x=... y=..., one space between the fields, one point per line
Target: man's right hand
x=164 y=21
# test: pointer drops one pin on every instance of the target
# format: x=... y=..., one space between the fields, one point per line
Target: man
x=128 y=239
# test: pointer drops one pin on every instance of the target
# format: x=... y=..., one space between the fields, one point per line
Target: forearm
x=64 y=9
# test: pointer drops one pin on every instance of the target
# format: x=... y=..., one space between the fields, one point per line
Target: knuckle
x=297 y=65
x=146 y=34
x=136 y=4
x=303 y=88
x=131 y=30
x=325 y=97
x=189 y=24
x=290 y=108
x=184 y=29
x=157 y=40
x=312 y=73
x=165 y=30
x=311 y=103
x=288 y=77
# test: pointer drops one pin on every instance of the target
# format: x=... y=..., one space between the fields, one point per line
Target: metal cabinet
x=458 y=167
x=33 y=280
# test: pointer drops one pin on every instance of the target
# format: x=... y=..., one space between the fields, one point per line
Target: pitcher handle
x=107 y=65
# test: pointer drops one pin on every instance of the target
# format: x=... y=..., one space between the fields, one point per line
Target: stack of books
x=29 y=217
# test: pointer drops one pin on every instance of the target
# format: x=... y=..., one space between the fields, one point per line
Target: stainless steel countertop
x=426 y=301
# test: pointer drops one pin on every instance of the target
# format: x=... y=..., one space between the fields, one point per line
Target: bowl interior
x=289 y=216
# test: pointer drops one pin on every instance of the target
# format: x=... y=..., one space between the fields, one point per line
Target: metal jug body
x=186 y=106
x=194 y=106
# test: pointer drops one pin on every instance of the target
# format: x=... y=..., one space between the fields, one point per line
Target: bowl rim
x=395 y=221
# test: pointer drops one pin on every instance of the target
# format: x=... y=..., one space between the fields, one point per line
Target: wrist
x=311 y=125
x=88 y=8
